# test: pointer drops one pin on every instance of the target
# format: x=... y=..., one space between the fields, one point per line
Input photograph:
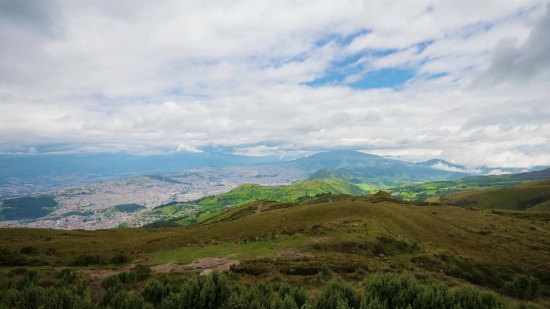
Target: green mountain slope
x=419 y=191
x=212 y=206
x=534 y=194
x=249 y=192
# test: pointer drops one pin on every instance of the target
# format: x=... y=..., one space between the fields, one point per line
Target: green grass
x=212 y=206
x=242 y=250
x=519 y=197
x=348 y=233
x=247 y=193
x=424 y=190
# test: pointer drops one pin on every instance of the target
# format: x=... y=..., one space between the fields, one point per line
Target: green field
x=421 y=191
x=534 y=194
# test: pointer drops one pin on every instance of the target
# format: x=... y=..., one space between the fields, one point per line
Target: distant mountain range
x=360 y=168
x=38 y=171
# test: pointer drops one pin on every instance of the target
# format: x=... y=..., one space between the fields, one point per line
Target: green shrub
x=523 y=287
x=66 y=275
x=154 y=292
x=337 y=293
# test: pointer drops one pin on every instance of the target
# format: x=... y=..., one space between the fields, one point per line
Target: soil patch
x=97 y=291
x=205 y=265
x=290 y=254
x=106 y=272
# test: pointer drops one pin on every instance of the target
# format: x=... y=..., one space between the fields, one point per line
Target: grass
x=424 y=190
x=242 y=250
x=247 y=193
x=519 y=197
x=209 y=207
x=347 y=233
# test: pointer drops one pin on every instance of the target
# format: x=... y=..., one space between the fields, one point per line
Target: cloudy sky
x=465 y=81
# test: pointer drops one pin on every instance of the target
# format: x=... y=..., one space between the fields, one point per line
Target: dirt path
x=105 y=272
x=290 y=254
x=97 y=291
x=259 y=209
x=205 y=265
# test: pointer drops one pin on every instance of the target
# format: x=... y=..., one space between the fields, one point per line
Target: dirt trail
x=105 y=272
x=97 y=291
x=205 y=265
x=259 y=209
x=290 y=254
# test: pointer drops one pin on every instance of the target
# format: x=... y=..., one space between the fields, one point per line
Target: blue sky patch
x=385 y=78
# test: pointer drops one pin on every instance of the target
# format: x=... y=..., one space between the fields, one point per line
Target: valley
x=92 y=207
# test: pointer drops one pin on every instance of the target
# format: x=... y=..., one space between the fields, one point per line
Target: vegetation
x=28 y=207
x=129 y=207
x=211 y=206
x=428 y=190
x=342 y=251
x=130 y=290
x=527 y=196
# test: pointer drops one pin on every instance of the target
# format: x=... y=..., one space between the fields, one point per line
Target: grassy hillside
x=420 y=191
x=355 y=236
x=535 y=194
x=211 y=206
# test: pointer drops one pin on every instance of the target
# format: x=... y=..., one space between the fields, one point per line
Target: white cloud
x=141 y=78
x=444 y=167
x=498 y=172
x=187 y=148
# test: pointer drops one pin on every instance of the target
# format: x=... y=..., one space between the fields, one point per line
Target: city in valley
x=97 y=206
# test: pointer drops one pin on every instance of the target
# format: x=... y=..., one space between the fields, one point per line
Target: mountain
x=371 y=170
x=533 y=195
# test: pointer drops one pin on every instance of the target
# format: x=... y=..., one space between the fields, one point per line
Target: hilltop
x=211 y=206
x=429 y=190
x=534 y=195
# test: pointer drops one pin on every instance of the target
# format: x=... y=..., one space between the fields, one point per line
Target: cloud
x=444 y=167
x=109 y=76
x=498 y=172
x=187 y=148
x=37 y=15
x=511 y=62
x=32 y=150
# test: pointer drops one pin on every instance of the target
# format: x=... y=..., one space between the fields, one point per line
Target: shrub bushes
x=383 y=291
x=523 y=287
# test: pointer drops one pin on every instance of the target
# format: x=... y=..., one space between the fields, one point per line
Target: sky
x=464 y=81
